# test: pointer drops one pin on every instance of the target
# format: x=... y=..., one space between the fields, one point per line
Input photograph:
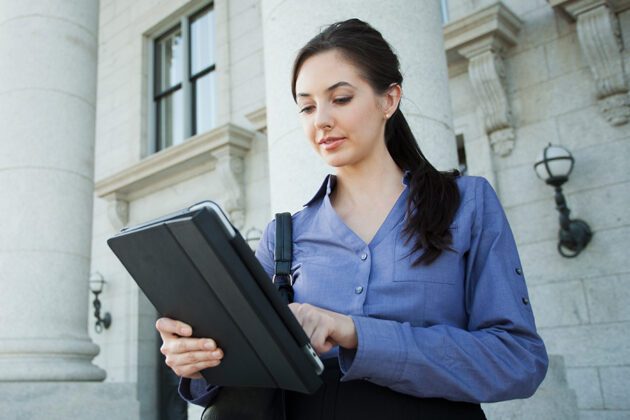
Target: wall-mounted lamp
x=554 y=165
x=96 y=286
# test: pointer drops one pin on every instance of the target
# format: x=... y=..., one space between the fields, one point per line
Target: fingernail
x=185 y=331
x=217 y=353
x=209 y=345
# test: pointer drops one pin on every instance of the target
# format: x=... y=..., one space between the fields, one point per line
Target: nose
x=323 y=118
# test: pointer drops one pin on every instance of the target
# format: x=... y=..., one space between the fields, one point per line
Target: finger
x=171 y=326
x=192 y=371
x=320 y=340
x=192 y=357
x=185 y=345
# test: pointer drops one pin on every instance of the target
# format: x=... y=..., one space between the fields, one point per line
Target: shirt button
x=519 y=271
x=364 y=256
x=525 y=301
x=358 y=290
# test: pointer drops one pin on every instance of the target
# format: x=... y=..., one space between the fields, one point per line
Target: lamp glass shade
x=559 y=163
x=97 y=281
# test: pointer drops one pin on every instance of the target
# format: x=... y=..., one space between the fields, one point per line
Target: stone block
x=608 y=298
x=525 y=69
x=533 y=222
x=68 y=400
x=564 y=55
x=244 y=46
x=604 y=414
x=250 y=91
x=462 y=96
x=585 y=382
x=531 y=105
x=523 y=8
x=624 y=26
x=603 y=208
x=531 y=139
x=590 y=345
x=590 y=162
x=247 y=68
x=585 y=127
x=604 y=256
x=239 y=6
x=559 y=304
x=539 y=27
x=616 y=387
x=553 y=399
x=246 y=23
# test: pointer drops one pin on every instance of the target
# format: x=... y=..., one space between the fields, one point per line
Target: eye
x=307 y=109
x=343 y=100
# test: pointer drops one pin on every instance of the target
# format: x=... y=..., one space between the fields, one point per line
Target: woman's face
x=342 y=116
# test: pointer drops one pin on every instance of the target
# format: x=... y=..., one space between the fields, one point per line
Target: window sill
x=223 y=147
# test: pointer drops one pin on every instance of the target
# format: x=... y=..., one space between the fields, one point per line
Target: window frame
x=186 y=85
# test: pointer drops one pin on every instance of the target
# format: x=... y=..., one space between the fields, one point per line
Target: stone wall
x=581 y=304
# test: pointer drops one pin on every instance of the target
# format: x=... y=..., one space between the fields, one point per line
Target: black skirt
x=363 y=400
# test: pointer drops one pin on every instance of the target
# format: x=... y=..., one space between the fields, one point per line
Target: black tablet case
x=192 y=270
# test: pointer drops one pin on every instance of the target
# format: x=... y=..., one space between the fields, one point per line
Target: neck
x=372 y=180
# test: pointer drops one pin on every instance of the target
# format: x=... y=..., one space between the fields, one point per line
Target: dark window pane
x=169 y=59
x=170 y=112
x=202 y=42
x=204 y=103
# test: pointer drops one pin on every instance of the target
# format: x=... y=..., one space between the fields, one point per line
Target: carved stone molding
x=482 y=38
x=230 y=167
x=117 y=211
x=259 y=119
x=599 y=36
x=221 y=149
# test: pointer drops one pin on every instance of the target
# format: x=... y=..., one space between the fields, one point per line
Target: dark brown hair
x=433 y=195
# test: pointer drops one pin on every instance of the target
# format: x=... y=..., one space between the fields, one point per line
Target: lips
x=331 y=143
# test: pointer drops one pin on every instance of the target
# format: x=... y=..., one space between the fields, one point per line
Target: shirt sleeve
x=499 y=356
x=198 y=391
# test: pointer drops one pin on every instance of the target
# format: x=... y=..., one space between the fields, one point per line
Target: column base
x=41 y=359
x=69 y=400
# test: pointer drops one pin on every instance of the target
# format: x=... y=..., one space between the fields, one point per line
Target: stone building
x=117 y=112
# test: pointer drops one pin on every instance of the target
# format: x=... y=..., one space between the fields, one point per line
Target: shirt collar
x=327 y=186
x=331 y=180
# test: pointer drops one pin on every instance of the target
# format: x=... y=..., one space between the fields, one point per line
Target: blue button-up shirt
x=461 y=328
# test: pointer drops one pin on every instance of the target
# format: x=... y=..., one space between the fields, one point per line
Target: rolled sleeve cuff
x=197 y=391
x=380 y=355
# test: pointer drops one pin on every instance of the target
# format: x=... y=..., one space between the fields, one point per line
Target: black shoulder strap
x=283 y=256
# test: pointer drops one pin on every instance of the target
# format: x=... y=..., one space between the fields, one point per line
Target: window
x=184 y=80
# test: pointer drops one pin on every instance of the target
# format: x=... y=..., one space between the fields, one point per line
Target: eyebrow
x=331 y=88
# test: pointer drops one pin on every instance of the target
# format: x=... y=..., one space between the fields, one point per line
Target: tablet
x=194 y=266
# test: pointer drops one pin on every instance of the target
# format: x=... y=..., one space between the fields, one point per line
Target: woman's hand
x=186 y=356
x=326 y=329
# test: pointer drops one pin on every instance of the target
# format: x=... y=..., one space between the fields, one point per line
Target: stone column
x=412 y=27
x=47 y=103
x=47 y=112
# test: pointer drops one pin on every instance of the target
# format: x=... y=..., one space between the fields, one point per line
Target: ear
x=391 y=99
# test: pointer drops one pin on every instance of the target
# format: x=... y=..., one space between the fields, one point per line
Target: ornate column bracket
x=600 y=40
x=259 y=119
x=221 y=149
x=117 y=211
x=482 y=38
x=230 y=166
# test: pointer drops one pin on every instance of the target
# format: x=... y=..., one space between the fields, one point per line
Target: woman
x=408 y=280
